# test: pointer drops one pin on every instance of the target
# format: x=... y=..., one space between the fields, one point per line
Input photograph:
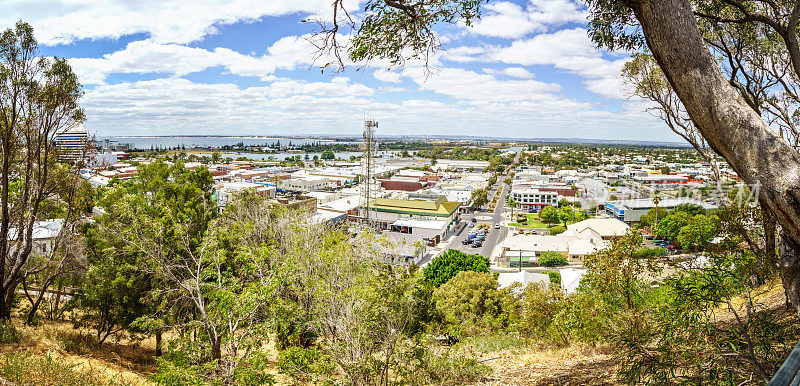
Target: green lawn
x=533 y=222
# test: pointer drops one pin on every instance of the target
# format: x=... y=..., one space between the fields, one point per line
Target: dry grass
x=125 y=360
x=574 y=365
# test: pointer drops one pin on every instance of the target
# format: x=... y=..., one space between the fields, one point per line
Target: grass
x=27 y=369
x=533 y=222
x=52 y=347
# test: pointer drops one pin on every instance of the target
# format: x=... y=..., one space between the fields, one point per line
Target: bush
x=9 y=333
x=645 y=252
x=555 y=277
x=173 y=372
x=449 y=264
x=74 y=342
x=471 y=302
x=558 y=229
x=304 y=363
x=552 y=259
x=540 y=303
x=445 y=367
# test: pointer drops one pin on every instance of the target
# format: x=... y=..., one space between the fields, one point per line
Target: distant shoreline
x=409 y=138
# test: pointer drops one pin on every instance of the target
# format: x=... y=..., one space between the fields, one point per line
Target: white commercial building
x=533 y=199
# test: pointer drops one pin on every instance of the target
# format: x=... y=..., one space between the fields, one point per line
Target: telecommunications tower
x=367 y=171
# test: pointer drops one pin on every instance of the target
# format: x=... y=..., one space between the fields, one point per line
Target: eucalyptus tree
x=38 y=100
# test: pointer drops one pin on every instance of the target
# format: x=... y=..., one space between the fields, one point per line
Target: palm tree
x=656 y=201
x=511 y=202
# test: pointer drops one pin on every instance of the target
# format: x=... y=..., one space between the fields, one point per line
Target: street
x=482 y=216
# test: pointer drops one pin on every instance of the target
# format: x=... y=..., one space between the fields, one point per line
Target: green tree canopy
x=549 y=214
x=551 y=259
x=449 y=264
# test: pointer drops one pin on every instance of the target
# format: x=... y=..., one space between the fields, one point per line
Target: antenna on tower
x=367 y=171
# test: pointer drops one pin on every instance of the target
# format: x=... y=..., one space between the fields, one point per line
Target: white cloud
x=508 y=20
x=179 y=106
x=515 y=72
x=386 y=76
x=147 y=56
x=548 y=48
x=468 y=85
x=570 y=50
x=166 y=21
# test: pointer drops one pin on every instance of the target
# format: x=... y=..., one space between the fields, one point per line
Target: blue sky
x=166 y=67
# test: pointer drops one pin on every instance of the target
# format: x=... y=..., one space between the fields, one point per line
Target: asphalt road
x=485 y=217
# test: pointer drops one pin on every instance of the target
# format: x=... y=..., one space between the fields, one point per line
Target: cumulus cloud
x=515 y=72
x=386 y=76
x=147 y=56
x=179 y=106
x=457 y=97
x=570 y=50
x=508 y=20
x=166 y=21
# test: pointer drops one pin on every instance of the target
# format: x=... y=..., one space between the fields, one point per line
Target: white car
x=496 y=226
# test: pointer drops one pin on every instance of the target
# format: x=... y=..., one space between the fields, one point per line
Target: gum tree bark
x=732 y=128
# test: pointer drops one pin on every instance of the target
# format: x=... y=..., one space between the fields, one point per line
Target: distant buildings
x=631 y=211
x=226 y=192
x=580 y=240
x=71 y=143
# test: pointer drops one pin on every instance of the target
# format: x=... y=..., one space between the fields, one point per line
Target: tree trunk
x=730 y=126
x=158 y=343
x=216 y=348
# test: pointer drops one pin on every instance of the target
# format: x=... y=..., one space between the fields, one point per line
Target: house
x=599 y=229
x=507 y=279
x=631 y=211
x=226 y=192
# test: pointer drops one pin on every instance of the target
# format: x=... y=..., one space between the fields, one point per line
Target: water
x=282 y=156
x=146 y=143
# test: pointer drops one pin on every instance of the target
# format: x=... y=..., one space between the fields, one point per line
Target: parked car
x=471 y=236
x=466 y=241
x=474 y=219
x=477 y=244
x=496 y=226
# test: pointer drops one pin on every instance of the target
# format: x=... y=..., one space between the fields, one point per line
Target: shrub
x=9 y=333
x=449 y=264
x=555 y=277
x=552 y=259
x=76 y=342
x=254 y=370
x=645 y=252
x=540 y=303
x=173 y=372
x=471 y=302
x=303 y=363
x=558 y=229
x=442 y=366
